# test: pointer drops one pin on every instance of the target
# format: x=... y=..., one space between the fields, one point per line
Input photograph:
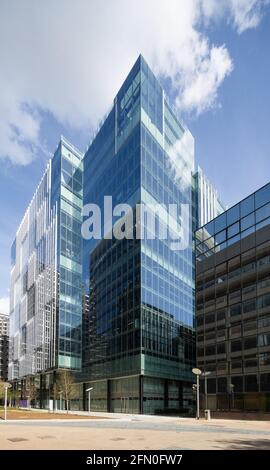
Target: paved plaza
x=134 y=432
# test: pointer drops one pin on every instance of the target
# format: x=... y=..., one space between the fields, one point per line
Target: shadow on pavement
x=247 y=444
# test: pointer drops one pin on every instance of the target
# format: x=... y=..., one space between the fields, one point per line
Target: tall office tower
x=4 y=344
x=45 y=292
x=207 y=202
x=233 y=304
x=140 y=333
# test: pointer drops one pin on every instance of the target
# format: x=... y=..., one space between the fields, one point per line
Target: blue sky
x=215 y=53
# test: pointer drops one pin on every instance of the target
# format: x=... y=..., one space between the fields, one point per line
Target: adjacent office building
x=46 y=277
x=4 y=343
x=139 y=340
x=207 y=201
x=233 y=304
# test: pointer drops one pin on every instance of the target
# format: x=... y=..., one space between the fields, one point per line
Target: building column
x=141 y=394
x=109 y=395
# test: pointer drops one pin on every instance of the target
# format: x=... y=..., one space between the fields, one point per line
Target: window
x=264 y=339
x=222 y=385
x=233 y=240
x=235 y=310
x=264 y=322
x=247 y=205
x=211 y=385
x=220 y=237
x=249 y=306
x=262 y=196
x=221 y=349
x=236 y=330
x=262 y=213
x=250 y=325
x=263 y=301
x=233 y=230
x=210 y=318
x=264 y=359
x=265 y=382
x=263 y=223
x=251 y=383
x=236 y=346
x=250 y=363
x=264 y=283
x=250 y=342
x=199 y=320
x=238 y=384
x=210 y=350
x=221 y=314
x=200 y=352
x=233 y=214
x=247 y=222
x=220 y=222
x=209 y=230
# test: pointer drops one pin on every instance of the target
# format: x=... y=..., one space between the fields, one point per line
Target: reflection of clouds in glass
x=180 y=159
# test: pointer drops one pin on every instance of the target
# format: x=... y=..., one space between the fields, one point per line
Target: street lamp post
x=197 y=372
x=89 y=398
x=205 y=375
x=232 y=395
x=6 y=386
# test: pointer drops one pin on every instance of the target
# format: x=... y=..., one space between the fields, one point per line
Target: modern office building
x=233 y=304
x=46 y=277
x=4 y=344
x=207 y=201
x=129 y=332
x=139 y=341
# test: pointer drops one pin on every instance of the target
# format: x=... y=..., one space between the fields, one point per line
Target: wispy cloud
x=69 y=58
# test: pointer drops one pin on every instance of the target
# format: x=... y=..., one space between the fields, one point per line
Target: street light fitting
x=196 y=371
x=205 y=374
x=89 y=389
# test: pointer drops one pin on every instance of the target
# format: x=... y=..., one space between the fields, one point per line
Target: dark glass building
x=233 y=304
x=139 y=343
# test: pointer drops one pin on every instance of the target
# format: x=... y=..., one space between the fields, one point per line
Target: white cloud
x=243 y=14
x=247 y=14
x=4 y=305
x=69 y=58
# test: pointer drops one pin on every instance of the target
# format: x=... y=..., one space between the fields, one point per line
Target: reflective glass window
x=233 y=214
x=247 y=205
x=263 y=213
x=233 y=230
x=262 y=196
x=247 y=221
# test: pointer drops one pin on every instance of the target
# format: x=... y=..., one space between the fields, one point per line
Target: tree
x=15 y=396
x=2 y=390
x=65 y=384
x=30 y=390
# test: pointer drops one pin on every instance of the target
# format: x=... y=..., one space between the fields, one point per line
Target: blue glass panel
x=247 y=205
x=220 y=222
x=247 y=221
x=263 y=213
x=233 y=214
x=262 y=196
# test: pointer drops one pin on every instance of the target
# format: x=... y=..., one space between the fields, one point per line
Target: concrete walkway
x=121 y=431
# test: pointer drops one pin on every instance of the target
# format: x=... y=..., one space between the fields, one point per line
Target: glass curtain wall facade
x=46 y=276
x=233 y=304
x=207 y=202
x=139 y=345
